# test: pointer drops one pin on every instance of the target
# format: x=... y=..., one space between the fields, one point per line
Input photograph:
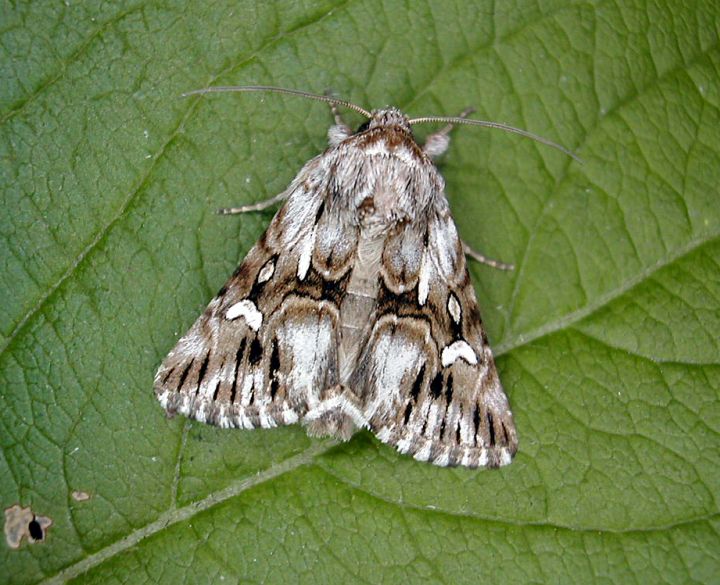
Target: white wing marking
x=458 y=349
x=249 y=311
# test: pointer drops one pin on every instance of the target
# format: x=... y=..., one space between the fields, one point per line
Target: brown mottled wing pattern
x=265 y=348
x=427 y=374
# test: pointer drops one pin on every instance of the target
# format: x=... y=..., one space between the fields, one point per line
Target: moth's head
x=386 y=118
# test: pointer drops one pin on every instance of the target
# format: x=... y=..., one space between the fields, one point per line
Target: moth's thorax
x=382 y=174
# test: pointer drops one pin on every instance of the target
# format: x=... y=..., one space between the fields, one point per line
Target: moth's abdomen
x=359 y=302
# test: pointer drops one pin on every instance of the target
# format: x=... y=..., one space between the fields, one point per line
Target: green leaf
x=606 y=332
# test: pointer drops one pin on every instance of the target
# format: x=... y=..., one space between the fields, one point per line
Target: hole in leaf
x=35 y=530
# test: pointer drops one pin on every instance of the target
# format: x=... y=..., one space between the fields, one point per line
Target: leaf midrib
x=307 y=457
x=175 y=515
x=606 y=298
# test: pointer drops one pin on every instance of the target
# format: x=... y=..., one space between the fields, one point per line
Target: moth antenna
x=313 y=96
x=499 y=126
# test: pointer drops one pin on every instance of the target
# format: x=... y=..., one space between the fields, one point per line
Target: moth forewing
x=354 y=309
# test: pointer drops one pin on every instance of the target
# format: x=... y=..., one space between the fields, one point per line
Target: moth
x=355 y=308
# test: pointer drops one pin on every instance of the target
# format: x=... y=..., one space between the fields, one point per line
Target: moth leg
x=338 y=415
x=335 y=111
x=338 y=116
x=340 y=131
x=478 y=257
x=437 y=143
x=255 y=206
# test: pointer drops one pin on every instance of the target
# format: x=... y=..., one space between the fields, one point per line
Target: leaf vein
x=177 y=515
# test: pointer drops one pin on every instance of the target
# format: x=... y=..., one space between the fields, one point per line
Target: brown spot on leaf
x=22 y=523
x=80 y=496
